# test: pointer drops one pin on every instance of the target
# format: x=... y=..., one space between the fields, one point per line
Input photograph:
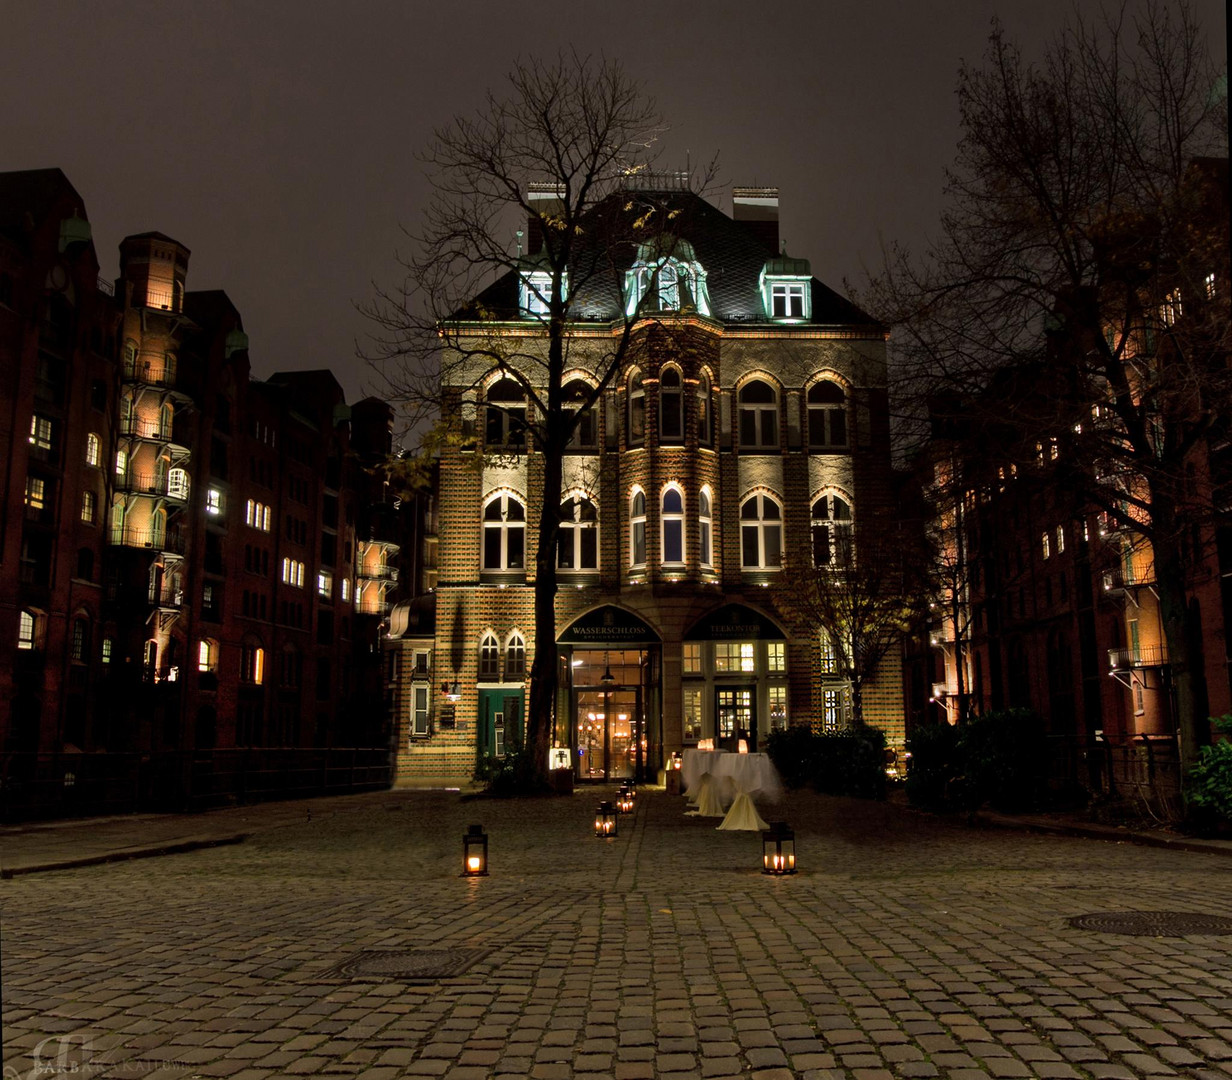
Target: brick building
x=195 y=565
x=749 y=427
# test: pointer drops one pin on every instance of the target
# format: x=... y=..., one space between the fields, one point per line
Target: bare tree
x=564 y=152
x=1075 y=252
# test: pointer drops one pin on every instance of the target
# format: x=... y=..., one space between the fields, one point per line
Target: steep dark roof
x=33 y=192
x=732 y=256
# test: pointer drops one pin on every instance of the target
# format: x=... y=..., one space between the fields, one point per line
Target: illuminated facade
x=748 y=429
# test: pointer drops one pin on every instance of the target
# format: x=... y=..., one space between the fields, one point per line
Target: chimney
x=757 y=211
x=544 y=199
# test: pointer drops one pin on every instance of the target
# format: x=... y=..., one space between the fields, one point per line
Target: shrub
x=934 y=765
x=845 y=763
x=1208 y=785
x=504 y=776
x=1003 y=757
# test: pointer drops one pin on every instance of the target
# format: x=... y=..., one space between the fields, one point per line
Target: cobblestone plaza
x=907 y=946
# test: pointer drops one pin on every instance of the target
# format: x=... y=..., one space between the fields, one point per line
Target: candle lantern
x=624 y=801
x=605 y=820
x=475 y=852
x=778 y=849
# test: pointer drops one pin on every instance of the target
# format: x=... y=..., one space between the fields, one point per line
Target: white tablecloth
x=697 y=763
x=751 y=774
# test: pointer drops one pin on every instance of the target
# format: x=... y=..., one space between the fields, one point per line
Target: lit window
x=536 y=292
x=787 y=300
x=732 y=656
x=325 y=583
x=637 y=528
x=93 y=449
x=691 y=658
x=827 y=416
x=121 y=462
x=776 y=656
x=759 y=416
x=80 y=647
x=515 y=658
x=1045 y=545
x=213 y=501
x=489 y=658
x=637 y=409
x=293 y=573
x=831 y=530
x=761 y=533
x=693 y=704
x=346 y=590
x=177 y=484
x=89 y=507
x=40 y=432
x=577 y=542
x=1170 y=310
x=704 y=410
x=25 y=631
x=1060 y=539
x=257 y=515
x=704 y=522
x=671 y=406
x=252 y=665
x=776 y=701
x=107 y=646
x=666 y=276
x=504 y=534
x=1209 y=283
x=207 y=655
x=672 y=525
x=36 y=493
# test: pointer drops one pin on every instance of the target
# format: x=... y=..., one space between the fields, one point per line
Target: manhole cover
x=1153 y=923
x=406 y=965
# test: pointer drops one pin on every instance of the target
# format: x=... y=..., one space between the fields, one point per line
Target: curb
x=124 y=855
x=1091 y=832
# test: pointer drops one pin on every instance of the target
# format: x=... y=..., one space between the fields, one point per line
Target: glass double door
x=735 y=717
x=609 y=728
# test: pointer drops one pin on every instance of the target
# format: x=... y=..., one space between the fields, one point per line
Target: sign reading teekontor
x=610 y=626
x=734 y=622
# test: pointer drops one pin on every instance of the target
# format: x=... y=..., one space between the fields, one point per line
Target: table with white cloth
x=748 y=775
x=700 y=786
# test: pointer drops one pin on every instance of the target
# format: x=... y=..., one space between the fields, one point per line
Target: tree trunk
x=541 y=708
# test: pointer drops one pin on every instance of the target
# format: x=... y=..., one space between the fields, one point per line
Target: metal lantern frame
x=624 y=800
x=778 y=849
x=606 y=820
x=474 y=852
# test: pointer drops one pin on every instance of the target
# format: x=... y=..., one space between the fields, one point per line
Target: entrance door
x=607 y=722
x=734 y=717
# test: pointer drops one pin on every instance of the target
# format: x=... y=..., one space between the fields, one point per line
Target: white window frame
x=421 y=710
x=671 y=521
x=503 y=526
x=705 y=528
x=671 y=404
x=489 y=658
x=40 y=431
x=213 y=501
x=793 y=292
x=838 y=528
x=571 y=534
x=763 y=527
x=94 y=449
x=637 y=527
x=763 y=414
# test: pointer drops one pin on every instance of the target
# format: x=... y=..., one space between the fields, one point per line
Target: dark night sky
x=277 y=140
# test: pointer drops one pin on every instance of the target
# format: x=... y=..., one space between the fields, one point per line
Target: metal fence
x=41 y=786
x=1144 y=769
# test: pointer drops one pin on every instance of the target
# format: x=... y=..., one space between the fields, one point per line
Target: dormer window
x=786 y=288
x=535 y=293
x=666 y=277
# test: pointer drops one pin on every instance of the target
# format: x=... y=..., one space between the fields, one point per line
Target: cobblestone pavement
x=907 y=946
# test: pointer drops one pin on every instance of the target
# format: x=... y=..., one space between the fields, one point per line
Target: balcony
x=379 y=573
x=170 y=542
x=150 y=373
x=139 y=483
x=1144 y=656
x=1118 y=580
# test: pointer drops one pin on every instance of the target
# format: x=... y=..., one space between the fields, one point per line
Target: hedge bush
x=1208 y=785
x=843 y=763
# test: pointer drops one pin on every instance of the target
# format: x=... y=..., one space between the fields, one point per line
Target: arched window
x=586 y=434
x=637 y=409
x=704 y=542
x=761 y=533
x=704 y=410
x=577 y=543
x=25 y=631
x=831 y=530
x=93 y=449
x=504 y=534
x=177 y=483
x=166 y=420
x=671 y=524
x=158 y=527
x=515 y=657
x=671 y=406
x=252 y=663
x=505 y=416
x=637 y=527
x=759 y=416
x=827 y=416
x=489 y=658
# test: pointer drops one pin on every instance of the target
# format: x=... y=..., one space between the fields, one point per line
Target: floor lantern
x=475 y=852
x=778 y=849
x=605 y=820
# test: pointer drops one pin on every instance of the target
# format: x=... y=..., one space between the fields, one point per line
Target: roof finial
x=519 y=243
x=784 y=248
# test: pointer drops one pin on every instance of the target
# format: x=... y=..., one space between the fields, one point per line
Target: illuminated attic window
x=535 y=288
x=666 y=277
x=786 y=288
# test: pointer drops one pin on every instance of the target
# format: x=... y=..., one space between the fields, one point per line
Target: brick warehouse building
x=750 y=425
x=195 y=565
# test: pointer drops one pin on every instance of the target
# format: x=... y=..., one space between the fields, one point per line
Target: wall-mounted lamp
x=452 y=691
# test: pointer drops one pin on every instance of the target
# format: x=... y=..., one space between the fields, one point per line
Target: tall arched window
x=207 y=655
x=637 y=527
x=515 y=657
x=25 y=630
x=166 y=420
x=489 y=658
x=704 y=524
x=505 y=416
x=577 y=542
x=827 y=416
x=93 y=449
x=586 y=434
x=759 y=416
x=671 y=406
x=831 y=530
x=704 y=410
x=761 y=533
x=637 y=409
x=504 y=533
x=671 y=523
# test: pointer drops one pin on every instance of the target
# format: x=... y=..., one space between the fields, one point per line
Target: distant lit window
x=731 y=656
x=691 y=658
x=346 y=590
x=121 y=462
x=207 y=655
x=776 y=702
x=107 y=647
x=25 y=631
x=776 y=657
x=1209 y=284
x=177 y=483
x=325 y=584
x=36 y=493
x=293 y=573
x=89 y=507
x=93 y=449
x=1060 y=539
x=1045 y=545
x=40 y=432
x=252 y=664
x=257 y=515
x=213 y=501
